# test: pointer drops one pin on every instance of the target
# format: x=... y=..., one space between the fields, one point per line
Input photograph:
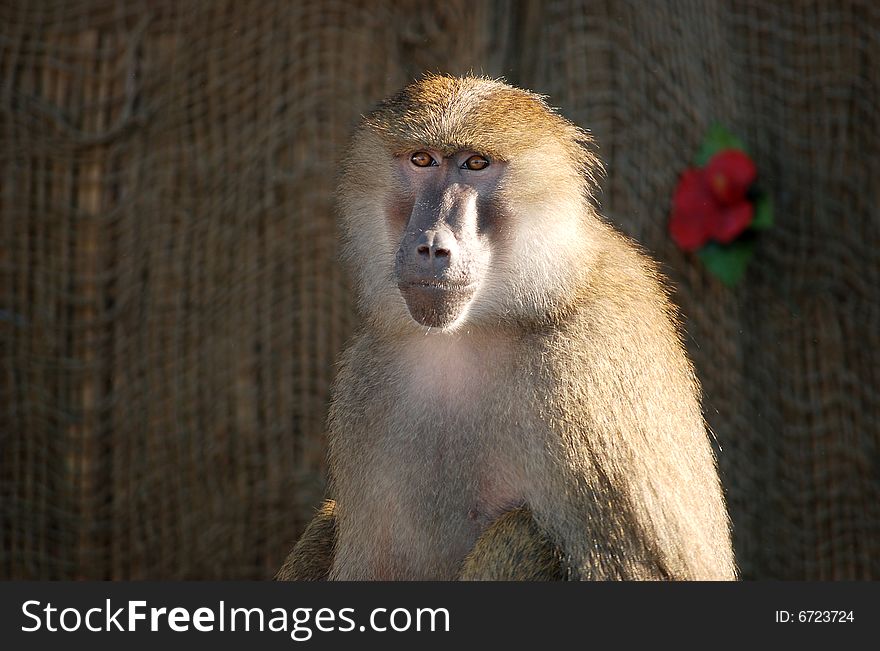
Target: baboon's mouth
x=442 y=285
x=434 y=303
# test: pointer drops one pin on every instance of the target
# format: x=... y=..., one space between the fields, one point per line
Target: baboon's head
x=465 y=201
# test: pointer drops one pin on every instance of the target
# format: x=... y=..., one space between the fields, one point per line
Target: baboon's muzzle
x=433 y=265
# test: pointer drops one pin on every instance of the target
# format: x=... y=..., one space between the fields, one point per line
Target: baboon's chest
x=433 y=513
x=442 y=459
x=456 y=469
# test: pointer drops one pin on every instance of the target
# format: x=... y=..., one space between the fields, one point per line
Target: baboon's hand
x=513 y=548
x=312 y=556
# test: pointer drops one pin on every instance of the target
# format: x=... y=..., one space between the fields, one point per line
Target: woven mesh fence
x=171 y=307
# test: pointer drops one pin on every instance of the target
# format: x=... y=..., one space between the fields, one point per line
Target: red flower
x=711 y=203
x=694 y=211
x=729 y=173
x=732 y=221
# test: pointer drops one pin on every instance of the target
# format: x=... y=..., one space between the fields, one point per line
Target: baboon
x=517 y=403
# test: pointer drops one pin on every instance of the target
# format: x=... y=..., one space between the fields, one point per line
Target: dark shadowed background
x=171 y=306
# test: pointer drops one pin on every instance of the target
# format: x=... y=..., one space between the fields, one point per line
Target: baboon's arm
x=312 y=556
x=513 y=548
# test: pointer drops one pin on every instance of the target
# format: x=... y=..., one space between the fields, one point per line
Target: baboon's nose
x=435 y=249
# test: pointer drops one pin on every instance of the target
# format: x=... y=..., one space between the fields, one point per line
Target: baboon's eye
x=422 y=159
x=476 y=163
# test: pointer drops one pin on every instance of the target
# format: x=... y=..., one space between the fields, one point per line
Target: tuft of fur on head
x=547 y=193
x=487 y=115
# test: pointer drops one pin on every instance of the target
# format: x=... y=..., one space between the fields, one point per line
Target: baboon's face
x=447 y=219
x=464 y=202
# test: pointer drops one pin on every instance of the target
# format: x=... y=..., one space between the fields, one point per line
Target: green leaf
x=763 y=218
x=717 y=139
x=727 y=262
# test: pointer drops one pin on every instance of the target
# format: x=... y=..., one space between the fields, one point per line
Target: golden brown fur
x=514 y=548
x=449 y=114
x=312 y=556
x=558 y=418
